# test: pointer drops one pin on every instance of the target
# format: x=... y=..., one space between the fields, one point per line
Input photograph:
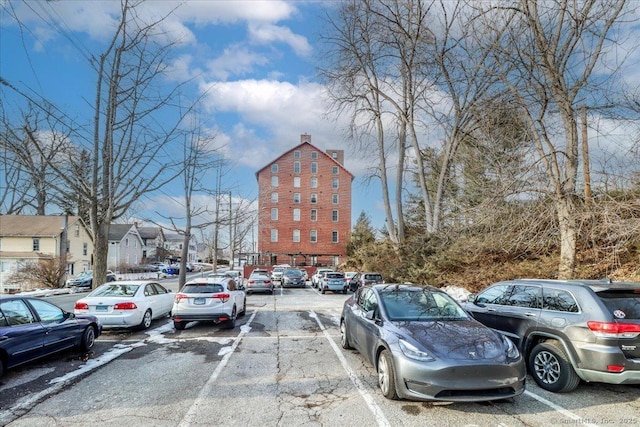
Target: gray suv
x=568 y=330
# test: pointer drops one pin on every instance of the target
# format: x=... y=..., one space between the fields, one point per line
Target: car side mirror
x=471 y=298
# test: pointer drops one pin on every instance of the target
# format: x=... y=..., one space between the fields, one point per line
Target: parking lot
x=281 y=366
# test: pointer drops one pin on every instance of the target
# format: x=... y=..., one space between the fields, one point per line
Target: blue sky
x=257 y=59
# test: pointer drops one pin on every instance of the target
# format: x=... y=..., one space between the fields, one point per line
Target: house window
x=85 y=249
x=68 y=246
x=296 y=167
x=296 y=181
x=126 y=242
x=274 y=235
x=314 y=167
x=296 y=214
x=314 y=236
x=274 y=181
x=76 y=231
x=334 y=183
x=36 y=244
x=314 y=154
x=274 y=197
x=314 y=199
x=334 y=237
x=334 y=215
x=335 y=199
x=334 y=155
x=274 y=168
x=296 y=236
x=274 y=214
x=314 y=214
x=296 y=198
x=334 y=170
x=296 y=154
x=314 y=182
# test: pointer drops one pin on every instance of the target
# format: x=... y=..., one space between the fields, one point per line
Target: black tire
x=323 y=291
x=344 y=291
x=387 y=376
x=146 y=320
x=88 y=339
x=179 y=325
x=344 y=338
x=1 y=367
x=231 y=323
x=244 y=308
x=551 y=369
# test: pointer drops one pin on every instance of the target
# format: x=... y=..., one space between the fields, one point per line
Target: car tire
x=244 y=308
x=323 y=291
x=146 y=320
x=1 y=367
x=88 y=339
x=386 y=375
x=344 y=338
x=551 y=369
x=344 y=291
x=231 y=323
x=179 y=325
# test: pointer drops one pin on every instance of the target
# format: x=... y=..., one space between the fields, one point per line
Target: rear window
x=377 y=277
x=114 y=291
x=335 y=276
x=202 y=288
x=622 y=304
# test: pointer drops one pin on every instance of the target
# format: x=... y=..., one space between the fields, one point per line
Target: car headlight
x=512 y=351
x=412 y=352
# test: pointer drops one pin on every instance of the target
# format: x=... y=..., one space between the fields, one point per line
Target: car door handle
x=4 y=337
x=491 y=310
x=529 y=314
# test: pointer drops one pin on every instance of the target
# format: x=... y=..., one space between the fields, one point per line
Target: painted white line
x=373 y=406
x=578 y=420
x=189 y=417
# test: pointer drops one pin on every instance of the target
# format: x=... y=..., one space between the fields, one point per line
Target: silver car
x=333 y=281
x=259 y=282
x=213 y=299
x=424 y=346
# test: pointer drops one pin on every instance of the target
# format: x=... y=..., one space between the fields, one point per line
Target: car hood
x=457 y=340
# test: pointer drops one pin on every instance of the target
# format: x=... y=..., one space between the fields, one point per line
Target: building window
x=68 y=246
x=126 y=242
x=36 y=244
x=296 y=214
x=313 y=236
x=274 y=197
x=274 y=214
x=314 y=214
x=334 y=170
x=296 y=154
x=296 y=181
x=314 y=199
x=296 y=198
x=296 y=236
x=314 y=167
x=296 y=167
x=335 y=199
x=334 y=237
x=274 y=168
x=314 y=182
x=314 y=154
x=334 y=215
x=334 y=154
x=274 y=181
x=85 y=249
x=76 y=231
x=274 y=235
x=334 y=183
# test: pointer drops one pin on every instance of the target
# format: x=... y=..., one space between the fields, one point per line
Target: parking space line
x=577 y=419
x=189 y=417
x=373 y=406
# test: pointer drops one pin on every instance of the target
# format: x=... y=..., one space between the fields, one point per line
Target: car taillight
x=180 y=297
x=614 y=330
x=81 y=306
x=326 y=279
x=251 y=282
x=221 y=297
x=267 y=281
x=125 y=306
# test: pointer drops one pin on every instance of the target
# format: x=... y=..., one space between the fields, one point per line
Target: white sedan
x=126 y=304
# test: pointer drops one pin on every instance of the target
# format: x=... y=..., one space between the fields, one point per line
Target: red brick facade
x=292 y=211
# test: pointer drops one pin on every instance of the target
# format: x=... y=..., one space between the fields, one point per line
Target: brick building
x=304 y=204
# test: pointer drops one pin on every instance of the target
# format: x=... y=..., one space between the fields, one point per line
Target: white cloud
x=269 y=33
x=235 y=60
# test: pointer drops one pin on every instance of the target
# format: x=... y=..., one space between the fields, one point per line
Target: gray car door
x=520 y=313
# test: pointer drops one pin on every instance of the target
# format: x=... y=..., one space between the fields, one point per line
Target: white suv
x=317 y=277
x=216 y=299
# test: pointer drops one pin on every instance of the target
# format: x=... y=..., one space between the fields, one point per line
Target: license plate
x=198 y=301
x=102 y=307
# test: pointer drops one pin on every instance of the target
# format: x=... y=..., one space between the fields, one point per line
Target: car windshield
x=202 y=288
x=114 y=291
x=292 y=273
x=85 y=273
x=420 y=305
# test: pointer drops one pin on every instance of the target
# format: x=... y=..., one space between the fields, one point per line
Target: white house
x=125 y=246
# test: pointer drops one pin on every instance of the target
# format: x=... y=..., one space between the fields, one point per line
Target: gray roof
x=118 y=231
x=34 y=225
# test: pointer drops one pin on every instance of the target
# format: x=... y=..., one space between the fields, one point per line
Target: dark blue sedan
x=31 y=328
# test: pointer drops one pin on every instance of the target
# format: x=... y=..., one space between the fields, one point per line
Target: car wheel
x=323 y=291
x=231 y=323
x=386 y=375
x=551 y=369
x=88 y=339
x=179 y=325
x=1 y=367
x=146 y=320
x=244 y=308
x=344 y=338
x=344 y=291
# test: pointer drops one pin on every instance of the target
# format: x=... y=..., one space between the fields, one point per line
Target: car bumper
x=195 y=317
x=259 y=288
x=335 y=287
x=117 y=319
x=434 y=381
